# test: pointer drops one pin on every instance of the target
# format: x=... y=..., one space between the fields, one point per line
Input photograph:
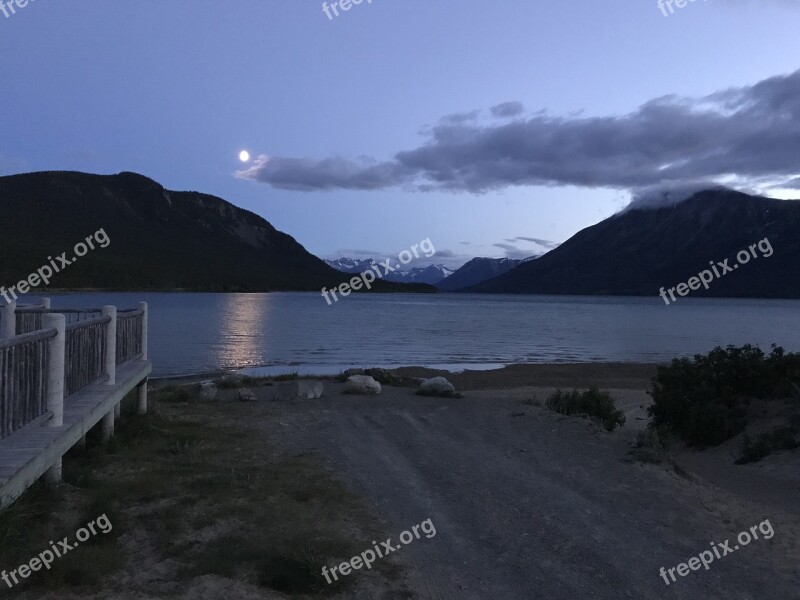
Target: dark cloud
x=545 y=243
x=743 y=134
x=308 y=174
x=793 y=184
x=507 y=110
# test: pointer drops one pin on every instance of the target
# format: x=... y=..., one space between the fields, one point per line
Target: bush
x=592 y=402
x=704 y=400
x=780 y=438
x=652 y=445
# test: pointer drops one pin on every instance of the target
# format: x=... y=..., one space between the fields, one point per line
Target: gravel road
x=530 y=504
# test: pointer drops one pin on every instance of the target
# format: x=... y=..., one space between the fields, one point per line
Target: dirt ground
x=526 y=503
x=530 y=504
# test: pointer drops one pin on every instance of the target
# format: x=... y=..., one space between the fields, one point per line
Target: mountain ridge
x=160 y=239
x=636 y=252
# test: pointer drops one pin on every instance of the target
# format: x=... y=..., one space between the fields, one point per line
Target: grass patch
x=593 y=402
x=652 y=445
x=193 y=484
x=764 y=444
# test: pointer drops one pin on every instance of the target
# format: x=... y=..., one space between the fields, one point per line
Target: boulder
x=208 y=391
x=363 y=385
x=299 y=390
x=247 y=395
x=436 y=386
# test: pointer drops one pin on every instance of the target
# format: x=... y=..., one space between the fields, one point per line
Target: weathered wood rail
x=61 y=373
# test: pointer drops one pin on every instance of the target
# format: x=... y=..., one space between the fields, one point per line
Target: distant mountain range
x=431 y=275
x=478 y=270
x=638 y=251
x=160 y=239
x=473 y=272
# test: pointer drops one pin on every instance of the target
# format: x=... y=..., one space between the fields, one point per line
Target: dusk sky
x=480 y=125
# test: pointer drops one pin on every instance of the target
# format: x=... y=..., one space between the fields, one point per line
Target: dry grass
x=191 y=492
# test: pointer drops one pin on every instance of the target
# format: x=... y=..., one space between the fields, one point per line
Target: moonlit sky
x=350 y=112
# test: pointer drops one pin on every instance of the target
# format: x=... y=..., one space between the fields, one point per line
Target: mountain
x=638 y=251
x=477 y=271
x=431 y=275
x=351 y=265
x=159 y=239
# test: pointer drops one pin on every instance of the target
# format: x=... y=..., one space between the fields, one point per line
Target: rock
x=437 y=386
x=299 y=390
x=208 y=391
x=247 y=395
x=362 y=385
x=309 y=390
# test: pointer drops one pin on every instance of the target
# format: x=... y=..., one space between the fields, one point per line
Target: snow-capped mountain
x=432 y=274
x=479 y=270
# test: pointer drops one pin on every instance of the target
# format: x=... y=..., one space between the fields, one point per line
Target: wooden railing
x=24 y=365
x=30 y=318
x=71 y=349
x=85 y=353
x=129 y=334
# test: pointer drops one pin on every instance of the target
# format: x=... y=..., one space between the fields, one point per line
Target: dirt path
x=528 y=504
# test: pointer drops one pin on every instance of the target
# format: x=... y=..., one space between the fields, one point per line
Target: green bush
x=652 y=445
x=592 y=402
x=780 y=438
x=704 y=400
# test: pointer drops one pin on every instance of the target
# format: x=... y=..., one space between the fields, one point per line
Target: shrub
x=652 y=445
x=704 y=400
x=780 y=438
x=592 y=402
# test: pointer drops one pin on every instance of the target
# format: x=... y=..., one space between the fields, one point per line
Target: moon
x=244 y=156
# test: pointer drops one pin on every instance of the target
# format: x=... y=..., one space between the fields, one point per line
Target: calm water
x=192 y=333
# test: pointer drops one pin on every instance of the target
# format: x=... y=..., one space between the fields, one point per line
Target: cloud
x=545 y=243
x=739 y=135
x=307 y=174
x=792 y=184
x=667 y=194
x=507 y=110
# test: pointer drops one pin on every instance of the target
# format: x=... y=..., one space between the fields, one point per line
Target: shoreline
x=620 y=375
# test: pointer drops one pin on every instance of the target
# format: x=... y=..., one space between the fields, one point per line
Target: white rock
x=436 y=386
x=299 y=390
x=247 y=395
x=362 y=385
x=208 y=391
x=309 y=390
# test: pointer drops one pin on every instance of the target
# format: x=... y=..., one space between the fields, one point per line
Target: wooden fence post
x=142 y=389
x=107 y=424
x=8 y=321
x=55 y=384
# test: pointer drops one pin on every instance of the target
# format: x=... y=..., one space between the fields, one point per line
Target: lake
x=286 y=332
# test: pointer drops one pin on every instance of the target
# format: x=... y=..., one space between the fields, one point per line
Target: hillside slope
x=638 y=251
x=160 y=239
